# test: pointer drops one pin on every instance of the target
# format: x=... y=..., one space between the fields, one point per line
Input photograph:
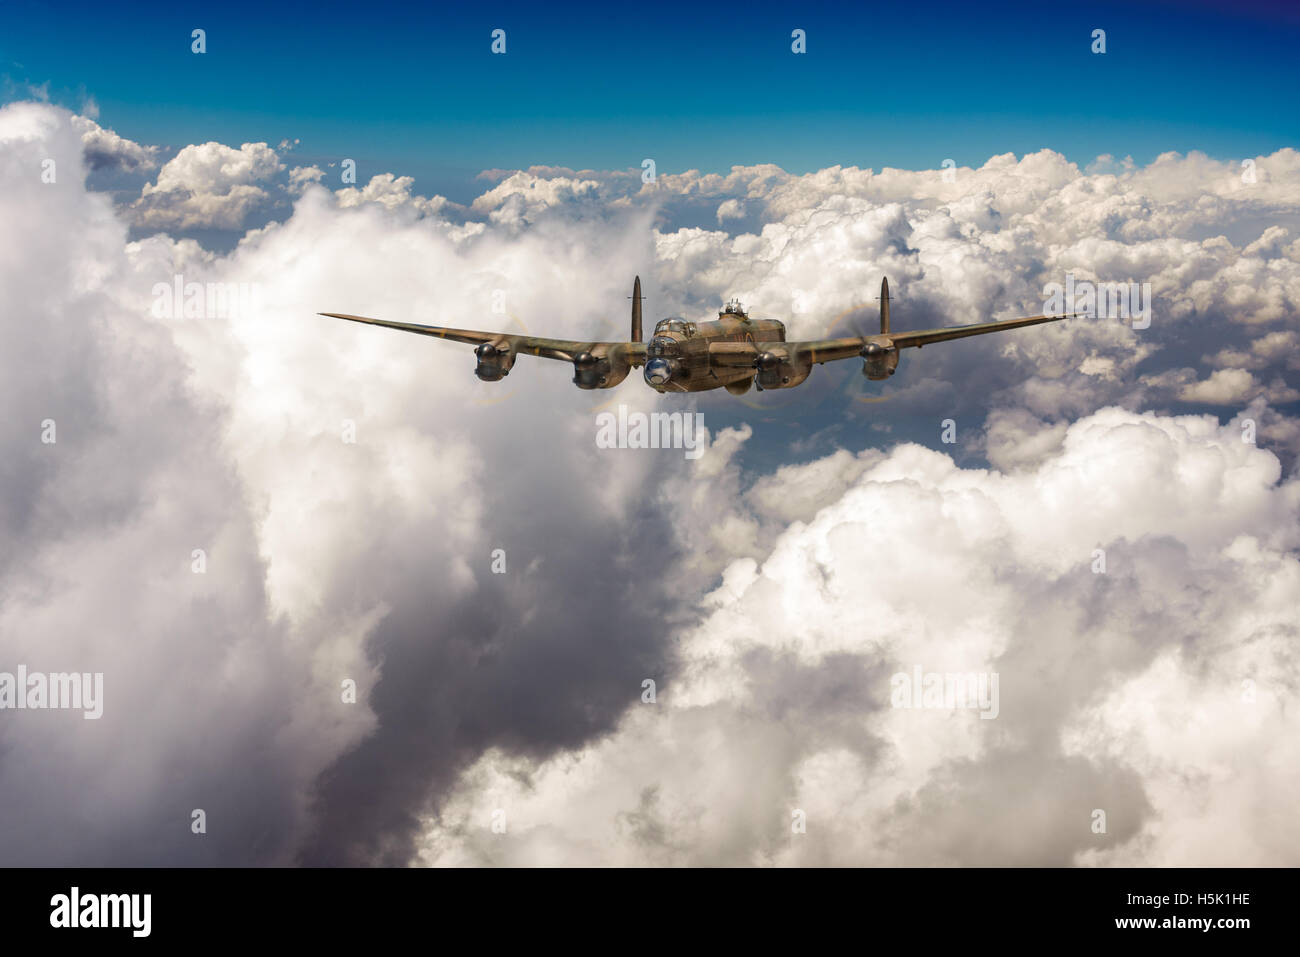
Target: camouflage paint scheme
x=731 y=352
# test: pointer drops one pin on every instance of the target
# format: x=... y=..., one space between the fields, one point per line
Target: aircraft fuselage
x=678 y=357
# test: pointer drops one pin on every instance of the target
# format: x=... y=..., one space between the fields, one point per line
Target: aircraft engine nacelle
x=878 y=360
x=599 y=371
x=494 y=361
x=775 y=370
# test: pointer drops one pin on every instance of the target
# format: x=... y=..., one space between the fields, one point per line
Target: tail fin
x=884 y=307
x=636 y=310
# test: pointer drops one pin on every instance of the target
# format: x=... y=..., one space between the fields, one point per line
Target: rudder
x=636 y=310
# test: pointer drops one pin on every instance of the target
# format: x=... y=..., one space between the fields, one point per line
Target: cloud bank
x=1154 y=692
x=348 y=490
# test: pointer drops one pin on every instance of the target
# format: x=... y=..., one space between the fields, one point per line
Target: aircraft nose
x=658 y=371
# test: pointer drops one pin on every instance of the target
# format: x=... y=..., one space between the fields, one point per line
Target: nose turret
x=658 y=372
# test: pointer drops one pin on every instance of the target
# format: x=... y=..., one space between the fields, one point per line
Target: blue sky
x=417 y=91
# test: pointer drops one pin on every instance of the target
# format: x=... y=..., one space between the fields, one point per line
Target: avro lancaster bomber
x=732 y=352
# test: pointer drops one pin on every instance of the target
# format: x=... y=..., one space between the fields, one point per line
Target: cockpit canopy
x=674 y=325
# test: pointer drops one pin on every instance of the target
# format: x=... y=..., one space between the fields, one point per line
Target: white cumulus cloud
x=1155 y=691
x=208 y=185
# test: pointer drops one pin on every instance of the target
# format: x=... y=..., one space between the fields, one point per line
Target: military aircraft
x=731 y=352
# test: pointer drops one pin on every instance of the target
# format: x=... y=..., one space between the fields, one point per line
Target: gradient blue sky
x=417 y=91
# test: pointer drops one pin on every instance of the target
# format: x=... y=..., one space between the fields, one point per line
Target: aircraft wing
x=827 y=350
x=927 y=336
x=562 y=349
